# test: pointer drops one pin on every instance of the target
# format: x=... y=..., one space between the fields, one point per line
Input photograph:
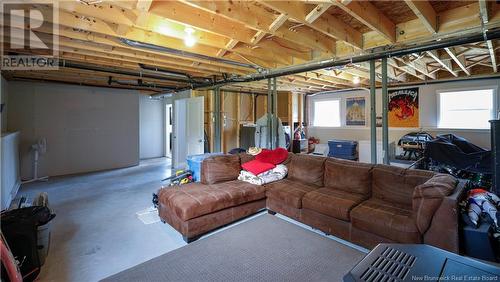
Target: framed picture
x=403 y=108
x=355 y=113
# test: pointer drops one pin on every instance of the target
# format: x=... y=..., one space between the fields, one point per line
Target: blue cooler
x=194 y=164
x=343 y=149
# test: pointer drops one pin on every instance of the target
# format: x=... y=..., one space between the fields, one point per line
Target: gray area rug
x=262 y=249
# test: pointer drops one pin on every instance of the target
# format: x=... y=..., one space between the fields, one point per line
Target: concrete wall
x=152 y=127
x=86 y=128
x=428 y=114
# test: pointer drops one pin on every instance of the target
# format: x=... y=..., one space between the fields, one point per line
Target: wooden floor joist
x=271 y=34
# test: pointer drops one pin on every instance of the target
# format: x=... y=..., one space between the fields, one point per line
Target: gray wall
x=428 y=115
x=3 y=100
x=152 y=127
x=86 y=128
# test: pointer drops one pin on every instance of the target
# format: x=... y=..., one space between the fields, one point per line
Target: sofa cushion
x=395 y=184
x=195 y=199
x=289 y=192
x=387 y=220
x=416 y=177
x=349 y=176
x=244 y=157
x=221 y=168
x=332 y=202
x=307 y=169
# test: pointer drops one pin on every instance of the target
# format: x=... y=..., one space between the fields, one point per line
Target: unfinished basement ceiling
x=232 y=38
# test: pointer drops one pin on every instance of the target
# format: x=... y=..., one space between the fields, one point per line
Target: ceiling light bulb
x=189 y=40
x=163 y=29
x=355 y=80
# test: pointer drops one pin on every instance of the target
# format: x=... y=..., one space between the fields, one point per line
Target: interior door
x=180 y=121
x=168 y=130
x=188 y=129
x=195 y=126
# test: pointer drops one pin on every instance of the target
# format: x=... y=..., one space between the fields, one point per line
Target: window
x=466 y=109
x=327 y=113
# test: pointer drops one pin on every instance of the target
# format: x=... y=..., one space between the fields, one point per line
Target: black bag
x=20 y=229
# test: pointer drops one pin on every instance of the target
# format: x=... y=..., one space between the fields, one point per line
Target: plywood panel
x=230 y=121
x=285 y=106
x=246 y=108
x=261 y=103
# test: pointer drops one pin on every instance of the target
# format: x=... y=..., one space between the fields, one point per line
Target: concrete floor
x=96 y=232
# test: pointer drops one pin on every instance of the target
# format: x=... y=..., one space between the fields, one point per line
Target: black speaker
x=495 y=152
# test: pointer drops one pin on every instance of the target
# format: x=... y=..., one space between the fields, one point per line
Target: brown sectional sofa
x=362 y=203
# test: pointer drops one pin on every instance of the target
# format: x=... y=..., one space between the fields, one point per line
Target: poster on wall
x=403 y=108
x=355 y=111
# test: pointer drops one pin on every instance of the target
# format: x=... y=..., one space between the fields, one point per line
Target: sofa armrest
x=443 y=231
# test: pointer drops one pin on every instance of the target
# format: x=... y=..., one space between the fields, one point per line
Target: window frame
x=495 y=107
x=338 y=99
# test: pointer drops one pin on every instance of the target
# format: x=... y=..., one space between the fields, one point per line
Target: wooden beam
x=326 y=78
x=491 y=50
x=184 y=14
x=404 y=68
x=485 y=18
x=209 y=47
x=317 y=12
x=459 y=61
x=258 y=37
x=143 y=5
x=337 y=75
x=445 y=64
x=156 y=24
x=94 y=42
x=230 y=45
x=326 y=24
x=393 y=73
x=273 y=27
x=369 y=15
x=418 y=65
x=481 y=60
x=483 y=11
x=241 y=15
x=425 y=12
x=277 y=23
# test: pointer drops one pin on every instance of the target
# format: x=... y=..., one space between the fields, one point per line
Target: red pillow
x=275 y=156
x=257 y=167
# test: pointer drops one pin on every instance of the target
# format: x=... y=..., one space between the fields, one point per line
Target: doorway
x=168 y=131
x=188 y=133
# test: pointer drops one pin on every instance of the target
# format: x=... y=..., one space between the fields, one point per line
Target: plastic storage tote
x=194 y=164
x=343 y=149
